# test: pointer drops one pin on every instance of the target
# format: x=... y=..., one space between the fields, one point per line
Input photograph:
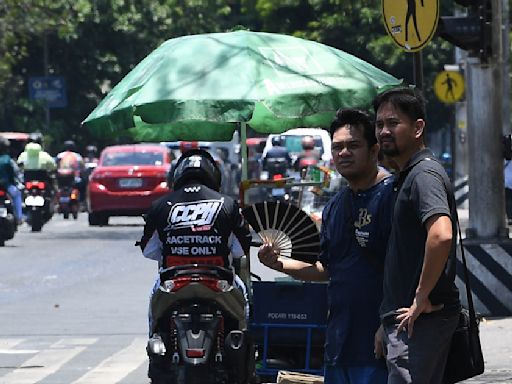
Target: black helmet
x=276 y=141
x=35 y=137
x=69 y=145
x=308 y=142
x=198 y=165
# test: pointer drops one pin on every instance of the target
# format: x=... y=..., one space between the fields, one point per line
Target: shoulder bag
x=465 y=358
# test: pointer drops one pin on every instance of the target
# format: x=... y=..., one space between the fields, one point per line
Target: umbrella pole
x=243 y=148
x=246 y=261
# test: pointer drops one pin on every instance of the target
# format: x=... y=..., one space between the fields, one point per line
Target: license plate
x=3 y=212
x=130 y=183
x=64 y=199
x=278 y=192
x=34 y=201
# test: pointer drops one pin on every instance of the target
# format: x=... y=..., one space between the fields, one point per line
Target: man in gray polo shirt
x=420 y=304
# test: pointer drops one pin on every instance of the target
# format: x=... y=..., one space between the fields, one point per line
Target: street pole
x=45 y=70
x=418 y=69
x=485 y=121
x=506 y=68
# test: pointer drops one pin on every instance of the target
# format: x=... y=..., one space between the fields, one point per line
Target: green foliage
x=94 y=43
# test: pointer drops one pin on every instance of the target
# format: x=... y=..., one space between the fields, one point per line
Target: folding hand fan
x=286 y=226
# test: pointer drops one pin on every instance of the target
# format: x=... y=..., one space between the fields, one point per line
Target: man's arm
x=297 y=269
x=437 y=250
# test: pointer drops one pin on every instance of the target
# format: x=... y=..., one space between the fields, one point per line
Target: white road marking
x=117 y=366
x=47 y=362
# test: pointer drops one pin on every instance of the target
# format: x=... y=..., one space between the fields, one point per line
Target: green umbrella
x=198 y=87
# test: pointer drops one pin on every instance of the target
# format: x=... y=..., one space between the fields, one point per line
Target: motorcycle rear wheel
x=37 y=221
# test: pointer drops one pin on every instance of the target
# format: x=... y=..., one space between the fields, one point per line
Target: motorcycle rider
x=8 y=177
x=195 y=216
x=309 y=154
x=43 y=158
x=70 y=161
x=33 y=157
x=277 y=151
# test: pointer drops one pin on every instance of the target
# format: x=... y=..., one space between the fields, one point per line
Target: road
x=73 y=304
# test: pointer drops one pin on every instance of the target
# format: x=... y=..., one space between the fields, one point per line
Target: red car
x=127 y=179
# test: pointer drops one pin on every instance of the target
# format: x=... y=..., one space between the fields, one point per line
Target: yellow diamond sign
x=411 y=23
x=449 y=86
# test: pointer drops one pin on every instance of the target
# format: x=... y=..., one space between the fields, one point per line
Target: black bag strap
x=471 y=308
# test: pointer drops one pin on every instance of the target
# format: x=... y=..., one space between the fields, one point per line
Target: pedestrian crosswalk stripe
x=47 y=362
x=6 y=347
x=118 y=366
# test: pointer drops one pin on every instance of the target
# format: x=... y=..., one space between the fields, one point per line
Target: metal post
x=418 y=69
x=485 y=121
x=45 y=70
x=506 y=68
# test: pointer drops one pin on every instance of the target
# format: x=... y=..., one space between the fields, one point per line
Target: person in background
x=70 y=161
x=420 y=307
x=8 y=178
x=277 y=157
x=309 y=155
x=33 y=157
x=355 y=227
x=43 y=160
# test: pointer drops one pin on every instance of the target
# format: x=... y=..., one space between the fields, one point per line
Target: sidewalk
x=496 y=339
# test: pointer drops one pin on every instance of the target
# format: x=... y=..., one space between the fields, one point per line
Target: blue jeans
x=15 y=193
x=355 y=375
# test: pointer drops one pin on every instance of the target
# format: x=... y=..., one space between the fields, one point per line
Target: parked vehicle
x=199 y=329
x=39 y=198
x=126 y=180
x=8 y=224
x=68 y=195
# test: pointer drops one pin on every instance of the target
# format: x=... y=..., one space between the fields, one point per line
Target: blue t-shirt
x=354 y=245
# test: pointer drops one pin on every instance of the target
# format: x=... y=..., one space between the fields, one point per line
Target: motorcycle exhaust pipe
x=156 y=345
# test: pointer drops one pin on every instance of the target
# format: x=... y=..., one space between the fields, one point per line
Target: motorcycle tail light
x=277 y=177
x=194 y=352
x=35 y=184
x=73 y=196
x=2 y=192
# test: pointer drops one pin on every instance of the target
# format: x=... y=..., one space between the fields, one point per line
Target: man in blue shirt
x=355 y=227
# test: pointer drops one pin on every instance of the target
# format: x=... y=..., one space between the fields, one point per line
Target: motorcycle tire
x=75 y=215
x=37 y=221
x=2 y=243
x=66 y=215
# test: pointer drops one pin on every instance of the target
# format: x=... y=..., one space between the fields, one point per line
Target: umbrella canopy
x=198 y=87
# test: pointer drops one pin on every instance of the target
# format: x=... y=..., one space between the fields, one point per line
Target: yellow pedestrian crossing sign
x=449 y=86
x=411 y=23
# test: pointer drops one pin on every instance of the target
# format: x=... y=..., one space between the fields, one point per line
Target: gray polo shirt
x=422 y=193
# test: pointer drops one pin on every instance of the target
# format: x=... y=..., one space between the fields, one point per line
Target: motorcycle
x=277 y=169
x=8 y=224
x=199 y=333
x=68 y=197
x=38 y=198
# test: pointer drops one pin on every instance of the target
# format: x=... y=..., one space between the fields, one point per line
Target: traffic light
x=471 y=32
